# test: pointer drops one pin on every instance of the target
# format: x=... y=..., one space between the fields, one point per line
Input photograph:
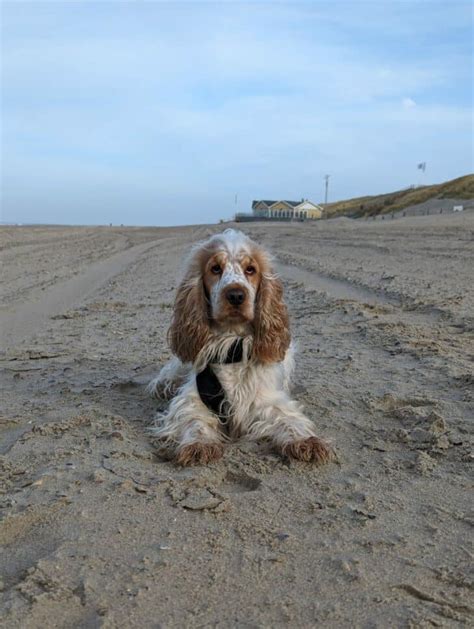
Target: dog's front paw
x=199 y=453
x=161 y=389
x=310 y=450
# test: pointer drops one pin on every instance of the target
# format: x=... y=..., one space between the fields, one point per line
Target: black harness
x=210 y=389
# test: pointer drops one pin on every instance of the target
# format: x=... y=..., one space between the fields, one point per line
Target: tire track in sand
x=21 y=320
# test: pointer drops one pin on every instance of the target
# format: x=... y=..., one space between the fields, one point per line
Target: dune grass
x=460 y=188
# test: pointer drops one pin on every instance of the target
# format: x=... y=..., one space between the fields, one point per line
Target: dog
x=233 y=359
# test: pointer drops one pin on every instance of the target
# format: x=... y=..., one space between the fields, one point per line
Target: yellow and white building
x=299 y=210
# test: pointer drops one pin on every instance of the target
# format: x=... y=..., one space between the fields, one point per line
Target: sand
x=98 y=531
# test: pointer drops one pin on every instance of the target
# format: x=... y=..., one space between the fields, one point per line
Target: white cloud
x=408 y=103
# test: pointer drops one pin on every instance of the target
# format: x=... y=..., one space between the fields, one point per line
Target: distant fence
x=426 y=209
x=251 y=218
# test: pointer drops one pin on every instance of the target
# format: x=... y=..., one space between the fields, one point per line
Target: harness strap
x=210 y=389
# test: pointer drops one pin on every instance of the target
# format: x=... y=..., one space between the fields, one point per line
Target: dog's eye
x=216 y=269
x=250 y=270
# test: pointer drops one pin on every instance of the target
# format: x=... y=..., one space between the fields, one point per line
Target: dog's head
x=228 y=286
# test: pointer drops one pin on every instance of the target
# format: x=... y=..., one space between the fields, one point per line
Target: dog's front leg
x=280 y=419
x=188 y=430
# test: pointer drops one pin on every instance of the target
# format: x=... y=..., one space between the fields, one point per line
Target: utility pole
x=326 y=177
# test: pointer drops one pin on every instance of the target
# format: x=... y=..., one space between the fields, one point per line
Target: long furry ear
x=189 y=330
x=271 y=325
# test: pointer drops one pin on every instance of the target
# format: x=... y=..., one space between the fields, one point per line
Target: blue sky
x=160 y=112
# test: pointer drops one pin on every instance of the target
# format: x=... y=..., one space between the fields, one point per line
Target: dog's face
x=229 y=284
x=231 y=281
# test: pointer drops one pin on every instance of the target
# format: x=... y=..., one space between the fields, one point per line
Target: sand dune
x=99 y=531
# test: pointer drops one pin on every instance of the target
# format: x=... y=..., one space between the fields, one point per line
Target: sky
x=170 y=113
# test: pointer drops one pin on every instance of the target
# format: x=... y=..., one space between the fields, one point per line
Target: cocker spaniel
x=233 y=359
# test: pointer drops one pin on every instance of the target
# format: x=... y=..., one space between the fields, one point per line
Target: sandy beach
x=99 y=531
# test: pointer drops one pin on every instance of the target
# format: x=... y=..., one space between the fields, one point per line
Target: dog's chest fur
x=246 y=384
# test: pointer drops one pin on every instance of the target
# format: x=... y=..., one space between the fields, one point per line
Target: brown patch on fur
x=255 y=277
x=271 y=325
x=210 y=279
x=199 y=454
x=311 y=450
x=189 y=330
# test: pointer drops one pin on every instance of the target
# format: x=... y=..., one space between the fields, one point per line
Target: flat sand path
x=20 y=320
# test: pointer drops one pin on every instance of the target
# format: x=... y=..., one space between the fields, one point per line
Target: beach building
x=301 y=210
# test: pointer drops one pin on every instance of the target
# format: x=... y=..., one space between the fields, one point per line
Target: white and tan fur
x=205 y=325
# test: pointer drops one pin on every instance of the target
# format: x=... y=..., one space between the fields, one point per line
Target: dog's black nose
x=235 y=296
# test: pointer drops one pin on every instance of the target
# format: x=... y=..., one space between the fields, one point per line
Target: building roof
x=269 y=203
x=289 y=203
x=304 y=205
